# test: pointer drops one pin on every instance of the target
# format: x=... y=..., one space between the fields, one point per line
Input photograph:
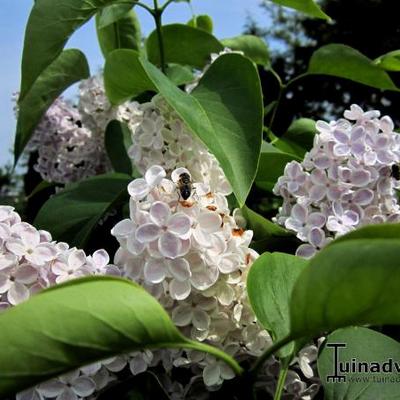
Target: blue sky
x=229 y=18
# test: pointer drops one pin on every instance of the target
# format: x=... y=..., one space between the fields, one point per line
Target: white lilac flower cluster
x=31 y=261
x=344 y=182
x=70 y=139
x=193 y=257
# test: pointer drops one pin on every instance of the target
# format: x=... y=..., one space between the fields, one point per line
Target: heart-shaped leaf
x=379 y=353
x=183 y=44
x=50 y=25
x=252 y=46
x=345 y=62
x=224 y=111
x=352 y=282
x=74 y=324
x=269 y=284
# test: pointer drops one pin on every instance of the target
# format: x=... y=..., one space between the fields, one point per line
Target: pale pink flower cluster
x=193 y=257
x=344 y=182
x=70 y=139
x=31 y=261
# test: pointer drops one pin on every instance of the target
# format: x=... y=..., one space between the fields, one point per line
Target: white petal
x=16 y=246
x=226 y=372
x=154 y=175
x=212 y=374
x=76 y=259
x=7 y=261
x=5 y=282
x=124 y=228
x=147 y=233
x=138 y=189
x=179 y=224
x=180 y=269
x=137 y=365
x=160 y=213
x=83 y=386
x=209 y=221
x=201 y=320
x=134 y=246
x=26 y=274
x=182 y=315
x=101 y=258
x=51 y=388
x=179 y=290
x=169 y=245
x=67 y=394
x=305 y=251
x=155 y=270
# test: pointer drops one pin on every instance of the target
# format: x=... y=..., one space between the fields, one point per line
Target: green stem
x=215 y=352
x=138 y=4
x=268 y=353
x=166 y=5
x=157 y=13
x=281 y=380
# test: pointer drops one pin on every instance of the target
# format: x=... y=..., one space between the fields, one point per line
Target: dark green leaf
x=272 y=164
x=121 y=34
x=363 y=345
x=184 y=45
x=118 y=139
x=72 y=214
x=299 y=138
x=74 y=324
x=354 y=282
x=108 y=15
x=345 y=62
x=224 y=111
x=379 y=231
x=203 y=22
x=308 y=7
x=50 y=25
x=179 y=74
x=389 y=61
x=270 y=283
x=69 y=67
x=252 y=46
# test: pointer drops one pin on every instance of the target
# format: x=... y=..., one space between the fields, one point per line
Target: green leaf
x=272 y=164
x=72 y=214
x=69 y=67
x=75 y=324
x=179 y=74
x=379 y=231
x=389 y=61
x=113 y=13
x=354 y=282
x=308 y=7
x=299 y=137
x=118 y=139
x=203 y=22
x=269 y=284
x=364 y=345
x=224 y=111
x=252 y=46
x=184 y=45
x=50 y=25
x=121 y=34
x=345 y=62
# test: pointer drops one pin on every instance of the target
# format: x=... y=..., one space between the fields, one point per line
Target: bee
x=184 y=185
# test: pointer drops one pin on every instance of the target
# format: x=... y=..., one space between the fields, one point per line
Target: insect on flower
x=184 y=185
